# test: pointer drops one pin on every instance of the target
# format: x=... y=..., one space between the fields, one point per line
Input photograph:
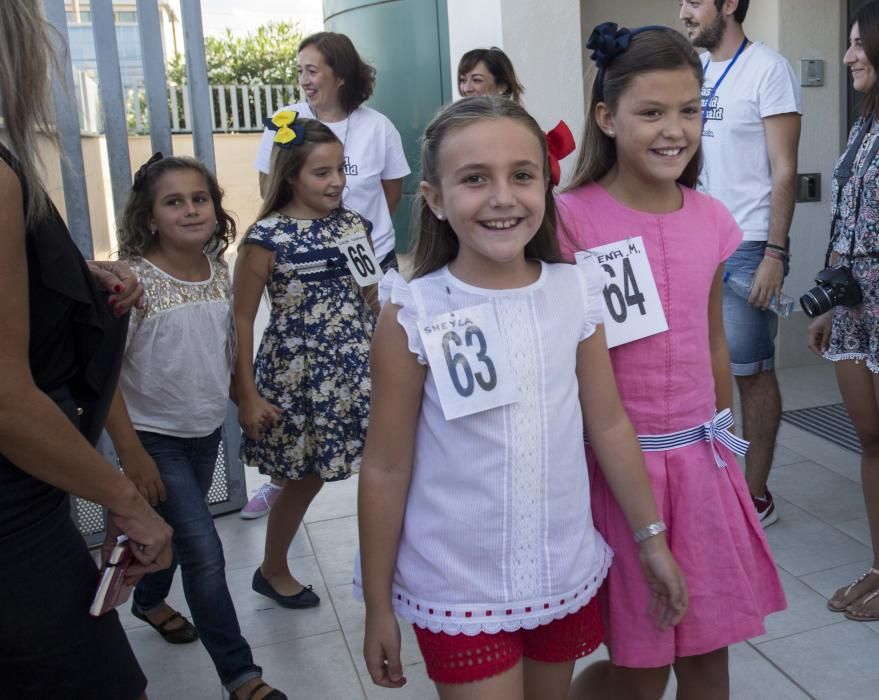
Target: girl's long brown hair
x=437 y=243
x=652 y=50
x=287 y=162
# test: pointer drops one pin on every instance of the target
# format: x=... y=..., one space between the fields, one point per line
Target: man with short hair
x=750 y=134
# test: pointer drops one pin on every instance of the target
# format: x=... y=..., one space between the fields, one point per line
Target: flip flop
x=852 y=613
x=848 y=590
x=184 y=634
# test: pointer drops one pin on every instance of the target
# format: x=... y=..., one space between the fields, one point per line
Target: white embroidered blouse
x=178 y=357
x=498 y=531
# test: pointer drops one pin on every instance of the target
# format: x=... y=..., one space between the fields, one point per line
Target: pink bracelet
x=771 y=253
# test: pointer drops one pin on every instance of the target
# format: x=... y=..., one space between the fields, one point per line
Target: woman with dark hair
x=488 y=72
x=60 y=353
x=848 y=333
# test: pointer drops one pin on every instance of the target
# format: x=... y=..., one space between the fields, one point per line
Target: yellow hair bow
x=287 y=131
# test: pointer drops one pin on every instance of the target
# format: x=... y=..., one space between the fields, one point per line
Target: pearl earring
x=441 y=217
x=611 y=133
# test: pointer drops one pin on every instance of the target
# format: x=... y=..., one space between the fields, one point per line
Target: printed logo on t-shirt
x=714 y=111
x=350 y=168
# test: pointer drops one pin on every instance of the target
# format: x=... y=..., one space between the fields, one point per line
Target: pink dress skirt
x=667 y=385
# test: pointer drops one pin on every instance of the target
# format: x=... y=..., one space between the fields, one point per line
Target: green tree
x=264 y=57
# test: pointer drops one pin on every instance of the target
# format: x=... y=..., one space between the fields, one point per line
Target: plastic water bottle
x=740 y=284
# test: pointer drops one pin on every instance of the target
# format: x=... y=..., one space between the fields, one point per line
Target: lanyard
x=720 y=79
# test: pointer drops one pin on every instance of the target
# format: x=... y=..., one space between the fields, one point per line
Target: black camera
x=836 y=287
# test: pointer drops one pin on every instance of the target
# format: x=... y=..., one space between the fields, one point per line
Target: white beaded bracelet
x=651 y=530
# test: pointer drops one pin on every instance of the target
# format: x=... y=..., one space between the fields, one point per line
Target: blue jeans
x=750 y=332
x=186 y=466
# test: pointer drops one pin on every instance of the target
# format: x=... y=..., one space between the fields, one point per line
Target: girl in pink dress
x=633 y=186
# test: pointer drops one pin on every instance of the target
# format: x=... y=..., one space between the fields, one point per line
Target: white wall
x=473 y=24
x=813 y=29
x=543 y=42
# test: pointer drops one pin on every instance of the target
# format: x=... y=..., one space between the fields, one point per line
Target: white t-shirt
x=177 y=362
x=373 y=152
x=736 y=169
x=498 y=531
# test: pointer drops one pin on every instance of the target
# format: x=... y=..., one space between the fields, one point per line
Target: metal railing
x=228 y=492
x=233 y=108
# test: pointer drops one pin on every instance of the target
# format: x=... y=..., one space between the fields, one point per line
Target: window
x=126 y=17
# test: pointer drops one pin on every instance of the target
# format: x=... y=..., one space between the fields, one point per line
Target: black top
x=75 y=352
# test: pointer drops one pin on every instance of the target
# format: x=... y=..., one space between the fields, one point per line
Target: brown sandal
x=274 y=694
x=847 y=591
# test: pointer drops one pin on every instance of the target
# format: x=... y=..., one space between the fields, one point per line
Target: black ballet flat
x=306 y=598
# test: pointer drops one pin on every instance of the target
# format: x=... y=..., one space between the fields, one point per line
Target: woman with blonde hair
x=60 y=352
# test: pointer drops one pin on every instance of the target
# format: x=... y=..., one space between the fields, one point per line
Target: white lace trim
x=856 y=356
x=492 y=618
x=526 y=512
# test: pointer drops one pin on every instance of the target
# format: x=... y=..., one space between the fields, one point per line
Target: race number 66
x=360 y=259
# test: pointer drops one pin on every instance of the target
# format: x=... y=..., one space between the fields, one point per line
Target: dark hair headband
x=608 y=41
x=141 y=175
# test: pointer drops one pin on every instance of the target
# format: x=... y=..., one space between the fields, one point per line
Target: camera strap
x=843 y=175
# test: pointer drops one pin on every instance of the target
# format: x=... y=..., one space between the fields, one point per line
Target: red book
x=112 y=590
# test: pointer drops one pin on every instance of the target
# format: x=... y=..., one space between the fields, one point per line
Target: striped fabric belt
x=712 y=431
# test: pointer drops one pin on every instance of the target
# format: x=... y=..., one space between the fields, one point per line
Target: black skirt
x=50 y=647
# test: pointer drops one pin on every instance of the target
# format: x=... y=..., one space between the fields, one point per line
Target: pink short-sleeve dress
x=667 y=385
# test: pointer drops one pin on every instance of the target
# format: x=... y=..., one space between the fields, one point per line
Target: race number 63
x=632 y=307
x=468 y=359
x=463 y=377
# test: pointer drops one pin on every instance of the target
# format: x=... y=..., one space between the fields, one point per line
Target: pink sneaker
x=261 y=503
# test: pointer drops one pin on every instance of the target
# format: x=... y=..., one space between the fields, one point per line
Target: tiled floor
x=820 y=543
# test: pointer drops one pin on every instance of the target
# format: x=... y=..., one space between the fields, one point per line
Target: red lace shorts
x=463 y=659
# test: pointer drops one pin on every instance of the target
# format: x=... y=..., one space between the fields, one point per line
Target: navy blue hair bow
x=608 y=41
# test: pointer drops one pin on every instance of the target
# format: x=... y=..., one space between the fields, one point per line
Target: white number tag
x=632 y=308
x=468 y=357
x=361 y=260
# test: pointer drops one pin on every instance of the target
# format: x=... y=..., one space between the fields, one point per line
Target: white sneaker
x=261 y=503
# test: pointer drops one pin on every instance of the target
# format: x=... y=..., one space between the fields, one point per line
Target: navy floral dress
x=855 y=334
x=313 y=361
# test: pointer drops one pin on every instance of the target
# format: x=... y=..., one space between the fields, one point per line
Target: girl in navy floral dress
x=304 y=402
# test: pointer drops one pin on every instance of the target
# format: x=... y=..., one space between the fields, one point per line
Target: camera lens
x=816 y=301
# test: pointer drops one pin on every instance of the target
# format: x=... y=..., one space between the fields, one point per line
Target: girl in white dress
x=475 y=522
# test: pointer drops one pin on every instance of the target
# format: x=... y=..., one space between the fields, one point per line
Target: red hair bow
x=559 y=144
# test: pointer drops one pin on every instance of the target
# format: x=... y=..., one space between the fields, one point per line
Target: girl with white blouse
x=474 y=514
x=167 y=417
